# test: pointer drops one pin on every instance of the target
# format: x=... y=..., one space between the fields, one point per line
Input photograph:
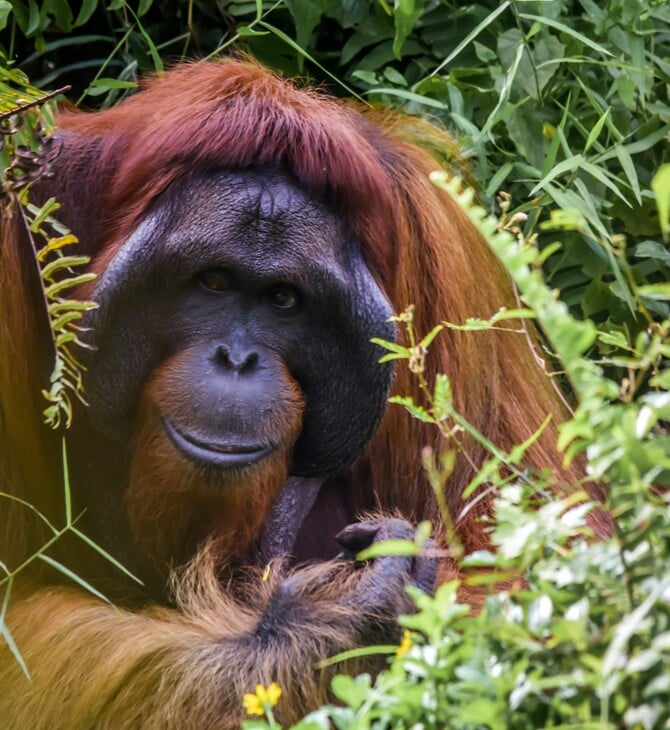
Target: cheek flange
x=342 y=389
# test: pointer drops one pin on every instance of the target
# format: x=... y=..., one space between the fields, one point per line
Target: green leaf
x=55 y=289
x=442 y=397
x=92 y=544
x=62 y=14
x=109 y=83
x=39 y=215
x=33 y=18
x=369 y=77
x=660 y=185
x=471 y=36
x=653 y=250
x=518 y=452
x=388 y=548
x=495 y=183
x=85 y=12
x=428 y=339
x=597 y=128
x=655 y=291
x=563 y=28
x=630 y=172
x=72 y=576
x=296 y=47
x=412 y=408
x=423 y=532
x=352 y=692
x=9 y=639
x=405 y=15
x=614 y=338
x=392 y=346
x=603 y=176
x=394 y=77
x=244 y=31
x=474 y=324
x=306 y=16
x=5 y=10
x=63 y=262
x=362 y=651
x=575 y=162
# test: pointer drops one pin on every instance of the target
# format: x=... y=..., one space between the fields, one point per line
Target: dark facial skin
x=256 y=292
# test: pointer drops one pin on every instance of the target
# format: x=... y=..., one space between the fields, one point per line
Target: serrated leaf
x=442 y=396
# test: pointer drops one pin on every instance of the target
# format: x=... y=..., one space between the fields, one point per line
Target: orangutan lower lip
x=227 y=455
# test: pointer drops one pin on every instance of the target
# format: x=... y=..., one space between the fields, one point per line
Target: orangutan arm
x=93 y=665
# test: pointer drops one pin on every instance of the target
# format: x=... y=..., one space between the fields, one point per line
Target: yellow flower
x=548 y=130
x=264 y=699
x=405 y=644
x=252 y=705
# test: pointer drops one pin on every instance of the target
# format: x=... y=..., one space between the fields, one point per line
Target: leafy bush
x=563 y=103
x=580 y=635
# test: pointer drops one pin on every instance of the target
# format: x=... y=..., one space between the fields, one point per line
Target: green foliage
x=576 y=630
x=561 y=103
x=26 y=124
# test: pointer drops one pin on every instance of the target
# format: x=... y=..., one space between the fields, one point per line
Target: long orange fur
x=94 y=665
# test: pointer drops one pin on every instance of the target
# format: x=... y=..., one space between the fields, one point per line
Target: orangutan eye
x=217 y=279
x=284 y=296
